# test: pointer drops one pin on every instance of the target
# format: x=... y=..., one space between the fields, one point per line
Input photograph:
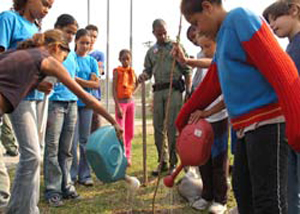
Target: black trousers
x=260 y=171
x=214 y=173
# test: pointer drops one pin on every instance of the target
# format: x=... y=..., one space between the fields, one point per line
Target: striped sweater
x=258 y=79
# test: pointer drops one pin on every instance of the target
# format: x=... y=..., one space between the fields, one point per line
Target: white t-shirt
x=220 y=115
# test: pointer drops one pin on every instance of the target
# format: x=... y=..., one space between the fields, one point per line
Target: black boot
x=162 y=168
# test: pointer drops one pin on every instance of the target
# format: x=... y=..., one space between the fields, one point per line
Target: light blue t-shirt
x=61 y=92
x=87 y=66
x=13 y=29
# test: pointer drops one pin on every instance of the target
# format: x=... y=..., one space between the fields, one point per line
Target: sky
x=144 y=12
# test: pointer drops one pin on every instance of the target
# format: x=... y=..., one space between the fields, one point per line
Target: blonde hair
x=50 y=37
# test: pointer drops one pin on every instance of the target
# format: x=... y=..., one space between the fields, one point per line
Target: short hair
x=189 y=30
x=124 y=51
x=190 y=7
x=91 y=27
x=65 y=20
x=158 y=22
x=277 y=9
x=19 y=5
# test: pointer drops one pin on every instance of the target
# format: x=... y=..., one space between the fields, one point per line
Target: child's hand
x=119 y=131
x=45 y=87
x=178 y=53
x=197 y=115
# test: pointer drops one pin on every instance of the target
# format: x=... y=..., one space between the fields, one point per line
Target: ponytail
x=47 y=38
x=37 y=40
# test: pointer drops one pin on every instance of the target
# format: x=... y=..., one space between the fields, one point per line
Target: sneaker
x=200 y=204
x=217 y=208
x=87 y=183
x=55 y=201
x=73 y=196
x=163 y=168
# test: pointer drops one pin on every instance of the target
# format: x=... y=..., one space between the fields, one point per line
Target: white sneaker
x=200 y=204
x=217 y=208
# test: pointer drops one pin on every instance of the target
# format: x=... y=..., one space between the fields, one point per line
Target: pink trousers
x=127 y=123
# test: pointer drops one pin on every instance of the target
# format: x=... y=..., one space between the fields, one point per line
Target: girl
x=19 y=25
x=124 y=85
x=62 y=117
x=44 y=58
x=87 y=77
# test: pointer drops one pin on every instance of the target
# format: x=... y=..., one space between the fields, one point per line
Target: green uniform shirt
x=158 y=62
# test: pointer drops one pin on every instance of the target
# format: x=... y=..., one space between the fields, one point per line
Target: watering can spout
x=193 y=147
x=169 y=180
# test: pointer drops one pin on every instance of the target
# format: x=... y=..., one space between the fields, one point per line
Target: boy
x=261 y=87
x=284 y=19
x=99 y=56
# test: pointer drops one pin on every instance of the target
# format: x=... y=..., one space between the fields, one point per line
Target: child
x=87 y=77
x=284 y=19
x=44 y=57
x=261 y=87
x=124 y=85
x=16 y=26
x=214 y=172
x=62 y=117
x=99 y=56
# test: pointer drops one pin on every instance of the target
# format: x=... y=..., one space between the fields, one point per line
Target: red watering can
x=193 y=146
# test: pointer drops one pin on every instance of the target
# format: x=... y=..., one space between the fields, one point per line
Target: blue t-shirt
x=15 y=28
x=87 y=65
x=61 y=92
x=99 y=56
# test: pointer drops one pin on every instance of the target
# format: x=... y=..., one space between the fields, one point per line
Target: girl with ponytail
x=17 y=25
x=45 y=59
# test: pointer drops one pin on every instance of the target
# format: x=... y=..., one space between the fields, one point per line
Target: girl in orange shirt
x=124 y=85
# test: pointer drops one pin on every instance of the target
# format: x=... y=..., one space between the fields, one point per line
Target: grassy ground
x=115 y=199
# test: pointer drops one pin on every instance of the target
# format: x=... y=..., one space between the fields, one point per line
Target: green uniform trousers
x=159 y=112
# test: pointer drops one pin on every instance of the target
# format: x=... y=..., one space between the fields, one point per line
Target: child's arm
x=204 y=95
x=52 y=67
x=114 y=87
x=136 y=84
x=180 y=56
x=276 y=66
x=93 y=83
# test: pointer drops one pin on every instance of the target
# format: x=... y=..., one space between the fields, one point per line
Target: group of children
x=260 y=85
x=28 y=58
x=248 y=73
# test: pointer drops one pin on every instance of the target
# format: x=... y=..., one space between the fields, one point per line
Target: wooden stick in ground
x=166 y=119
x=145 y=181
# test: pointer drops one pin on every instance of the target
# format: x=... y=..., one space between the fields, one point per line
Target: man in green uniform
x=158 y=62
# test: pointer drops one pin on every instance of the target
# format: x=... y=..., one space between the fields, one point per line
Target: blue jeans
x=62 y=117
x=26 y=186
x=83 y=129
x=4 y=179
x=293 y=182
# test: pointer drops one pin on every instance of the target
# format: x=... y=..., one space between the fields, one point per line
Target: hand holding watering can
x=193 y=147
